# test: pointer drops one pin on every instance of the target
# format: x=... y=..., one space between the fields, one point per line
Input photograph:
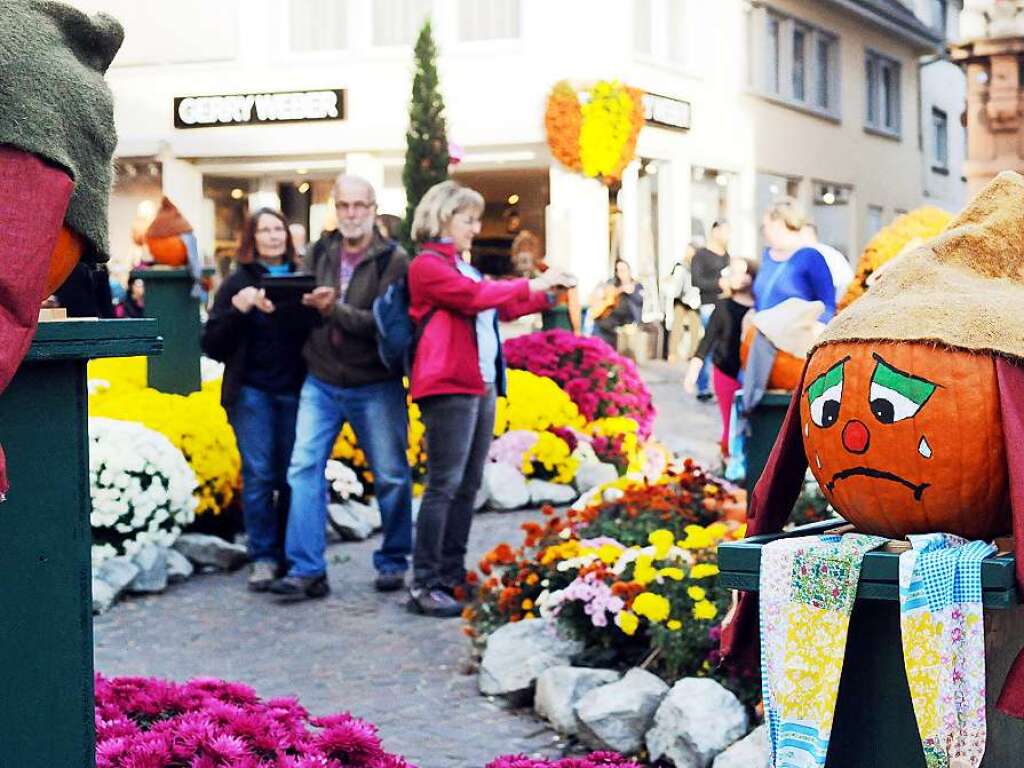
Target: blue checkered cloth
x=950 y=568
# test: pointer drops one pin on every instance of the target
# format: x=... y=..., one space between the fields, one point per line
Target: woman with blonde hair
x=789 y=268
x=458 y=372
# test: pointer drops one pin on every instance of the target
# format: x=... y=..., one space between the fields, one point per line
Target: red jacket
x=446 y=360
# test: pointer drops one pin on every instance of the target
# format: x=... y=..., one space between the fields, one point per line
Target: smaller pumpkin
x=66 y=253
x=786 y=370
x=163 y=237
x=169 y=251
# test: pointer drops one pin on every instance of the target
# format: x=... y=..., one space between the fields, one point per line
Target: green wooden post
x=169 y=300
x=46 y=708
x=874 y=723
x=765 y=423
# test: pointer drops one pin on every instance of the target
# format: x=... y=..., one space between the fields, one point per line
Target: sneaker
x=433 y=602
x=705 y=396
x=389 y=581
x=261 y=574
x=464 y=593
x=290 y=589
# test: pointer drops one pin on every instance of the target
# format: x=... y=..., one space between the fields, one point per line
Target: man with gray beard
x=347 y=381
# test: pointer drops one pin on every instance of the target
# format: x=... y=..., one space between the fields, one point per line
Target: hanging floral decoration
x=594 y=130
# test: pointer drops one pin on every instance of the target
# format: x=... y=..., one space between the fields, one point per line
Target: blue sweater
x=805 y=275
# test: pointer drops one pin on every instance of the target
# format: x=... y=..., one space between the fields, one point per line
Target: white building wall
x=495 y=92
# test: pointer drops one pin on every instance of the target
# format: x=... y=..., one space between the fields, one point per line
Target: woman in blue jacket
x=789 y=269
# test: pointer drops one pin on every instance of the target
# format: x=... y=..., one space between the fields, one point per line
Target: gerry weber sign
x=666 y=112
x=258 y=108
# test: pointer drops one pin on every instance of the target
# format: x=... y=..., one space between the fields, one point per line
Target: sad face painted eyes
x=893 y=395
x=825 y=394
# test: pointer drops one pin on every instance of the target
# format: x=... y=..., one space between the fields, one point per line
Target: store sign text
x=666 y=112
x=257 y=108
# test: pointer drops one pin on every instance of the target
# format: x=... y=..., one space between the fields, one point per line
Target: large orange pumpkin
x=169 y=251
x=65 y=256
x=786 y=369
x=907 y=438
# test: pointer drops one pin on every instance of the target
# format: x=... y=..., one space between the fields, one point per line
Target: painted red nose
x=856 y=437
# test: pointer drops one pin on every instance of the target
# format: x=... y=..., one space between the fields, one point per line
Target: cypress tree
x=426 y=156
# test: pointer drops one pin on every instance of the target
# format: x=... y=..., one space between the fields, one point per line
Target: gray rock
x=103 y=595
x=749 y=752
x=211 y=551
x=349 y=522
x=518 y=653
x=152 y=576
x=505 y=486
x=481 y=499
x=543 y=492
x=559 y=689
x=118 y=572
x=178 y=566
x=616 y=716
x=592 y=475
x=696 y=721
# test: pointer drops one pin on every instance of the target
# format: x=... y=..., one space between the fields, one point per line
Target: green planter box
x=765 y=423
x=874 y=721
x=169 y=301
x=46 y=708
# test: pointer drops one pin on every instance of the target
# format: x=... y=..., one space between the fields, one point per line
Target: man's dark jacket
x=342 y=351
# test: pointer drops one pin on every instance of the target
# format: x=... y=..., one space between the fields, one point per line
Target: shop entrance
x=516 y=200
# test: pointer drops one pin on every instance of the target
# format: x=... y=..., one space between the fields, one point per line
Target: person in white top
x=842 y=272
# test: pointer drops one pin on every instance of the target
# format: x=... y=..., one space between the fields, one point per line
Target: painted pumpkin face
x=907 y=438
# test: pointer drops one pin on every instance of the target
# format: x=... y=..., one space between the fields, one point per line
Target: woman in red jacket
x=458 y=372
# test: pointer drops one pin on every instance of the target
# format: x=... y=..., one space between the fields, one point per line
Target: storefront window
x=318 y=25
x=397 y=22
x=833 y=215
x=488 y=19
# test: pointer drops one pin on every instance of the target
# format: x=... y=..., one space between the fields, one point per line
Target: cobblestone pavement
x=357 y=650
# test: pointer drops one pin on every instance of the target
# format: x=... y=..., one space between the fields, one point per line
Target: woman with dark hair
x=132 y=306
x=261 y=347
x=622 y=300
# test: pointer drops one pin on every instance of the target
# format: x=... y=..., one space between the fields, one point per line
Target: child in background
x=722 y=339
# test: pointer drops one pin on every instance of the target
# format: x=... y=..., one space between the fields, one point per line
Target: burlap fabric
x=964 y=289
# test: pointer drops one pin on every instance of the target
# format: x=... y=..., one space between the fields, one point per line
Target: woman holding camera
x=458 y=373
x=260 y=345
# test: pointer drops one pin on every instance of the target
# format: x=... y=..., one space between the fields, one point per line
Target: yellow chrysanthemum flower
x=662 y=540
x=703 y=570
x=655 y=608
x=627 y=622
x=674 y=625
x=705 y=610
x=696 y=593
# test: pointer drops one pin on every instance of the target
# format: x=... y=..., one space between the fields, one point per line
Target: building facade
x=822 y=99
x=990 y=49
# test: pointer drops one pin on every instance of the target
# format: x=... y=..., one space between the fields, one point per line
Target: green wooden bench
x=46 y=698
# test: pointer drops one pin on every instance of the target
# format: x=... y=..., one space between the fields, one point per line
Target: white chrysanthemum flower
x=142 y=488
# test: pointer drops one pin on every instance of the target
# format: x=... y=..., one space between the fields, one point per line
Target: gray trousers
x=459 y=433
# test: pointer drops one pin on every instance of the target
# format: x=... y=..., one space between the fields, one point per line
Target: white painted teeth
x=817 y=460
x=924 y=449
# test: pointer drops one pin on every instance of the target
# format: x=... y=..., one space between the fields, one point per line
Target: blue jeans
x=703 y=378
x=264 y=425
x=380 y=419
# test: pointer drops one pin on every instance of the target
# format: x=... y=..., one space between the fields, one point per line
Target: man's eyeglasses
x=357 y=207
